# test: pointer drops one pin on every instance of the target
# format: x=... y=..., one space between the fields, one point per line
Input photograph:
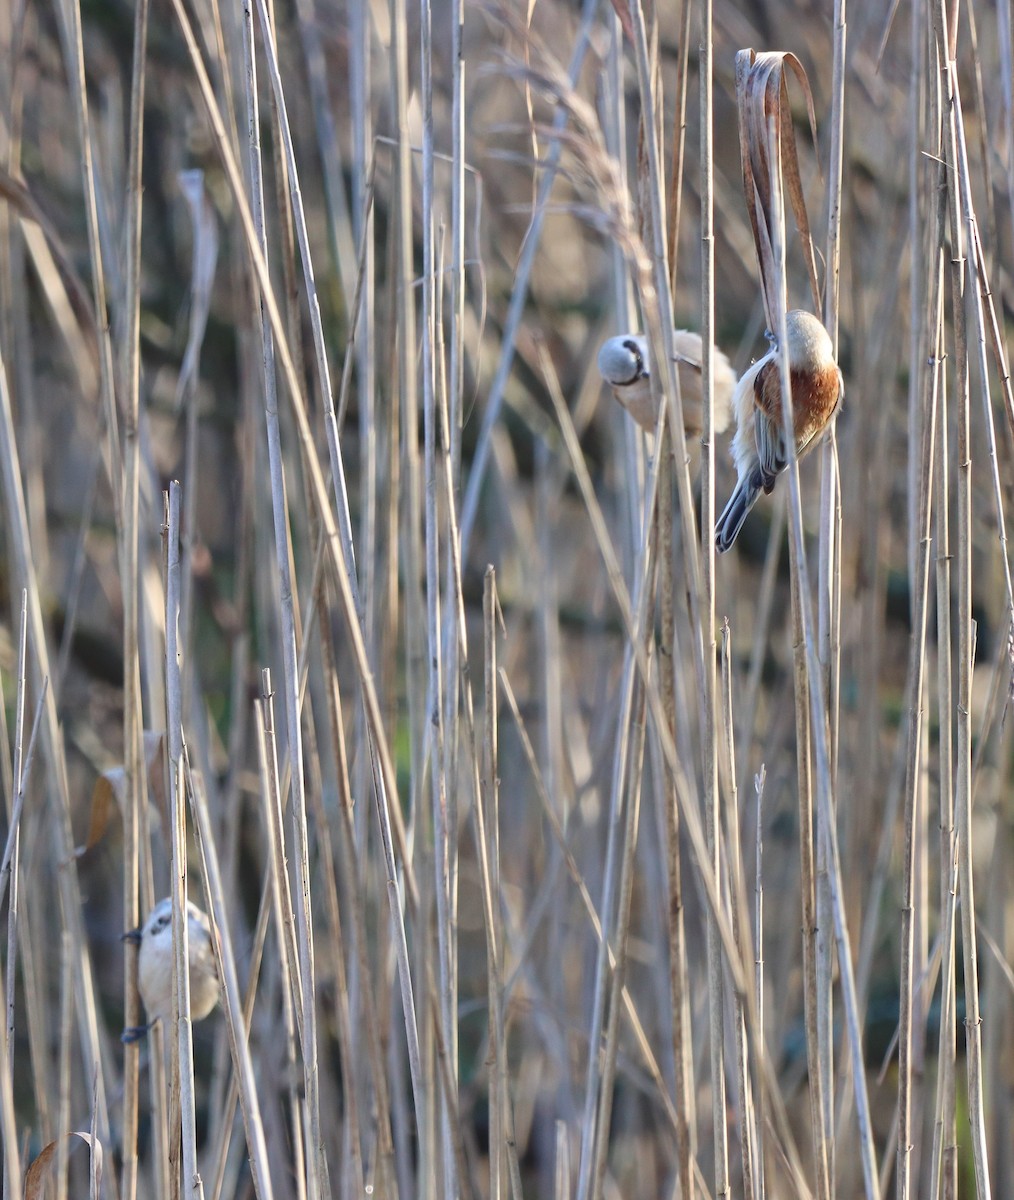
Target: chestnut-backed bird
x=758 y=445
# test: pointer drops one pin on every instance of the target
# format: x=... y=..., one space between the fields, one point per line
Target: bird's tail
x=743 y=498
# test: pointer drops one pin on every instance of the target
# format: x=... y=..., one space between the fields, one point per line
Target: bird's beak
x=132 y=935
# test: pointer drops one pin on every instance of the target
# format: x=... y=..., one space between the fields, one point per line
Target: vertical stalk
x=829 y=594
x=443 y=809
x=716 y=978
x=741 y=931
x=183 y=1046
x=136 y=847
x=946 y=37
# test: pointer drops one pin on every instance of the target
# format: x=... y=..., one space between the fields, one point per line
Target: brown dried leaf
x=37 y=1174
x=107 y=794
x=622 y=10
x=762 y=95
x=110 y=791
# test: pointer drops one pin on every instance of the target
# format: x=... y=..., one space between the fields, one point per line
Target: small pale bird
x=758 y=446
x=624 y=364
x=155 y=965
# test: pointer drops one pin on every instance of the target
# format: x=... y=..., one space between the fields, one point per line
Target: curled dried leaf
x=38 y=1173
x=110 y=791
x=762 y=97
x=622 y=10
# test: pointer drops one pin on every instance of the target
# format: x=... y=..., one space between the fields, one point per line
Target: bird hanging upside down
x=624 y=364
x=758 y=446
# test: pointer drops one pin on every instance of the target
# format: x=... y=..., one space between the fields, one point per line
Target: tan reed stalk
x=943 y=1179
x=929 y=348
x=69 y=18
x=913 y=785
x=136 y=840
x=189 y=1182
x=829 y=595
x=341 y=234
x=748 y=1128
x=228 y=1106
x=945 y=39
x=759 y=781
x=284 y=919
x=679 y=140
x=63 y=1100
x=226 y=960
x=706 y=611
x=12 y=858
x=12 y=1176
x=409 y=542
x=679 y=989
x=354 y=1174
x=762 y=627
x=808 y=879
x=631 y=814
x=204 y=254
x=443 y=793
x=386 y=1181
x=503 y=1141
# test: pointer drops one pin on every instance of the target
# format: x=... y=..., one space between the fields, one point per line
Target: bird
x=624 y=364
x=758 y=445
x=155 y=966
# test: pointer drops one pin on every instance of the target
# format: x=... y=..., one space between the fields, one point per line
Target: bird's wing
x=771 y=452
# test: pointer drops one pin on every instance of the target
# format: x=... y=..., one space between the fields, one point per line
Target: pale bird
x=155 y=965
x=624 y=364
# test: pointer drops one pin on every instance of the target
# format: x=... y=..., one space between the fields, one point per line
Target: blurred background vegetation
x=524 y=284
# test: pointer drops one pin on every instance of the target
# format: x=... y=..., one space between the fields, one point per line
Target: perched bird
x=155 y=965
x=758 y=446
x=623 y=364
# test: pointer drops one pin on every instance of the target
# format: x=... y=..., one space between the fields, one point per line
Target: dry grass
x=507 y=836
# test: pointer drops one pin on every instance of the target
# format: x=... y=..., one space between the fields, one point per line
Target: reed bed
x=546 y=852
